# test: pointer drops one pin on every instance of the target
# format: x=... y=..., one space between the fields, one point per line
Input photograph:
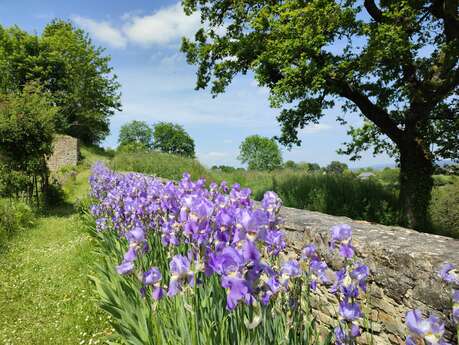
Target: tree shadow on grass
x=64 y=209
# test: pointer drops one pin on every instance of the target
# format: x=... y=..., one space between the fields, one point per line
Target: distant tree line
x=166 y=137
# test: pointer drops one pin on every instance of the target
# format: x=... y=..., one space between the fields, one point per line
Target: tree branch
x=373 y=10
x=371 y=111
x=446 y=10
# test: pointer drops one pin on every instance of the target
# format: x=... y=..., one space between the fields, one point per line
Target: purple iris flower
x=272 y=286
x=340 y=233
x=290 y=269
x=136 y=235
x=250 y=252
x=275 y=241
x=430 y=330
x=224 y=186
x=152 y=276
x=360 y=274
x=355 y=330
x=340 y=336
x=346 y=250
x=237 y=289
x=271 y=201
x=309 y=251
x=130 y=255
x=343 y=284
x=224 y=219
x=202 y=208
x=158 y=293
x=180 y=274
x=318 y=269
x=125 y=268
x=448 y=274
x=349 y=311
x=227 y=261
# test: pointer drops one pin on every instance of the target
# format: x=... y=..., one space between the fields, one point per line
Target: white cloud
x=172 y=60
x=102 y=31
x=216 y=154
x=162 y=27
x=315 y=128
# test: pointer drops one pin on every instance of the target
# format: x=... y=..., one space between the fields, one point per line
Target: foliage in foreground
x=203 y=266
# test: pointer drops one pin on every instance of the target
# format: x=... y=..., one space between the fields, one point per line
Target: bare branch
x=446 y=10
x=373 y=10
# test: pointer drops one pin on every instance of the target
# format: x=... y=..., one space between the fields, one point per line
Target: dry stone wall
x=403 y=264
x=65 y=153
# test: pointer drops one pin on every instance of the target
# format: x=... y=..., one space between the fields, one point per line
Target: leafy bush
x=15 y=216
x=339 y=195
x=444 y=209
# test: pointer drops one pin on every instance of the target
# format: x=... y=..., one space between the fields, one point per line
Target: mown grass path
x=45 y=294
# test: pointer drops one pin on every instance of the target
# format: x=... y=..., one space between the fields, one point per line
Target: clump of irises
x=190 y=241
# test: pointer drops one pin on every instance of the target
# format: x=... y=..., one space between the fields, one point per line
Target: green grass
x=45 y=293
x=159 y=164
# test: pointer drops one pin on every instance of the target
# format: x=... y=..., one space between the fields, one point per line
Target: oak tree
x=392 y=62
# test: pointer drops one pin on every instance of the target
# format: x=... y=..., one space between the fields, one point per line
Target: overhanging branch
x=371 y=111
x=373 y=10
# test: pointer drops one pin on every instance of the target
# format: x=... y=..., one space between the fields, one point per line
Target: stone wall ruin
x=65 y=153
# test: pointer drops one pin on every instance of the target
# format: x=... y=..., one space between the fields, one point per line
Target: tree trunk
x=416 y=169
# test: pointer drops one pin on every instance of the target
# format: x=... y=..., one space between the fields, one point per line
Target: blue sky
x=143 y=38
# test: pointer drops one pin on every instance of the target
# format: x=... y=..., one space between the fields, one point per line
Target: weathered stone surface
x=65 y=153
x=403 y=264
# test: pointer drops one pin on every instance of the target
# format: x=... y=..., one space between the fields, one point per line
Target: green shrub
x=444 y=209
x=338 y=195
x=15 y=216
